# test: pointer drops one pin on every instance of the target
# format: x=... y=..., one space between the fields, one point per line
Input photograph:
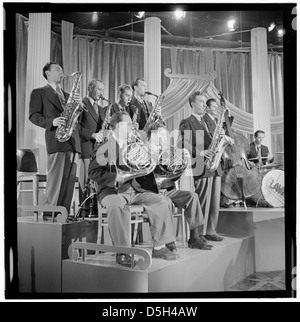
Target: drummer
x=259 y=154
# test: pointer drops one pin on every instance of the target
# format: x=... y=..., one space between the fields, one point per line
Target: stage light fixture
x=280 y=31
x=179 y=14
x=272 y=26
x=139 y=14
x=231 y=23
x=95 y=17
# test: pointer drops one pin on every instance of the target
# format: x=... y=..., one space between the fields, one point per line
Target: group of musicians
x=134 y=125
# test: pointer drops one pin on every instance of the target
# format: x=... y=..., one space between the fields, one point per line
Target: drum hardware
x=253 y=159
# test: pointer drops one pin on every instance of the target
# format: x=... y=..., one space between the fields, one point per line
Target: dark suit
x=44 y=107
x=195 y=138
x=89 y=122
x=129 y=109
x=253 y=153
x=158 y=208
x=142 y=117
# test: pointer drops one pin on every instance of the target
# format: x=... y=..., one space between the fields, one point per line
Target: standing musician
x=45 y=108
x=159 y=140
x=105 y=161
x=90 y=122
x=196 y=135
x=139 y=87
x=124 y=101
x=259 y=154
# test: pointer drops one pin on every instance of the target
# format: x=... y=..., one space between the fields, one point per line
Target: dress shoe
x=198 y=244
x=214 y=237
x=203 y=239
x=172 y=247
x=163 y=253
x=124 y=260
x=47 y=216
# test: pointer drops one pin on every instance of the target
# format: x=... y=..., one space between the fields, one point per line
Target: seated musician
x=259 y=153
x=159 y=140
x=105 y=160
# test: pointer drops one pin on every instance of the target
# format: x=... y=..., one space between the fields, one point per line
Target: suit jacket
x=142 y=118
x=253 y=153
x=102 y=169
x=44 y=106
x=194 y=137
x=129 y=109
x=89 y=123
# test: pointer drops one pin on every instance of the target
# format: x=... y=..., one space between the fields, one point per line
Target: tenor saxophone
x=71 y=113
x=218 y=144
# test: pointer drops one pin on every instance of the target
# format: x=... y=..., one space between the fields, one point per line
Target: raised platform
x=267 y=227
x=195 y=271
x=253 y=242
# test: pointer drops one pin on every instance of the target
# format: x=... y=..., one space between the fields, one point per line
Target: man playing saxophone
x=106 y=159
x=145 y=108
x=164 y=182
x=196 y=135
x=45 y=108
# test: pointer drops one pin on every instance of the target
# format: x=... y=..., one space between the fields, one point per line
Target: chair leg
x=35 y=188
x=100 y=231
x=183 y=228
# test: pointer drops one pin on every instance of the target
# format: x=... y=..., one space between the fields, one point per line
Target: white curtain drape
x=39 y=34
x=261 y=84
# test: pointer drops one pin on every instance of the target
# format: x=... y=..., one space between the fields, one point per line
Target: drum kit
x=271 y=193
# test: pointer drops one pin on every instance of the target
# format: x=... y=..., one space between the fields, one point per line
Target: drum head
x=273 y=188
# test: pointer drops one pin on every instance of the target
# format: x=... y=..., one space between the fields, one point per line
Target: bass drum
x=271 y=193
x=273 y=188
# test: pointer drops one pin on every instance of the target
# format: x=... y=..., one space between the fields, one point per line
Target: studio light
x=95 y=17
x=280 y=31
x=272 y=26
x=139 y=14
x=231 y=23
x=179 y=14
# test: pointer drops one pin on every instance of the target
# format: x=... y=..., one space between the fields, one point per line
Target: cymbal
x=278 y=152
x=263 y=158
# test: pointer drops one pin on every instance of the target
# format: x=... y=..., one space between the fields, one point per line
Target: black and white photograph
x=149 y=151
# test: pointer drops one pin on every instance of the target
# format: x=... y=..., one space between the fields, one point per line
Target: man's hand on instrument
x=207 y=153
x=98 y=136
x=221 y=132
x=158 y=110
x=59 y=121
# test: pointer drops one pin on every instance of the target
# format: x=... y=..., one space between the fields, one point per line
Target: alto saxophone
x=71 y=113
x=154 y=116
x=105 y=124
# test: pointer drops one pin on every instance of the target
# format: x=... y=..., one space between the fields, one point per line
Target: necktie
x=95 y=105
x=145 y=109
x=259 y=155
x=61 y=96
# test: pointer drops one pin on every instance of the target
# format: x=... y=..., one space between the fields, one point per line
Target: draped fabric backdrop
x=117 y=64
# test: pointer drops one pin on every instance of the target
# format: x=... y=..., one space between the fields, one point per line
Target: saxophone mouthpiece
x=149 y=93
x=104 y=99
x=73 y=74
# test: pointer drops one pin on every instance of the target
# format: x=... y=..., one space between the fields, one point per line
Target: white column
x=39 y=35
x=67 y=54
x=261 y=84
x=152 y=55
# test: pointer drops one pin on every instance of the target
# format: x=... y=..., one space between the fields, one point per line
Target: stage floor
x=226 y=264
